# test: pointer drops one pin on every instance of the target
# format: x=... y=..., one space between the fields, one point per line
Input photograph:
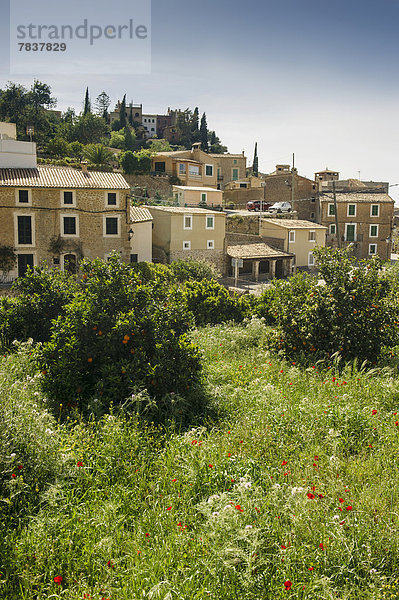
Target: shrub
x=210 y=302
x=190 y=269
x=115 y=338
x=42 y=295
x=350 y=312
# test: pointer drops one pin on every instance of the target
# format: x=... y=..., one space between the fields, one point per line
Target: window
x=69 y=226
x=209 y=170
x=25 y=230
x=203 y=198
x=210 y=222
x=182 y=168
x=70 y=264
x=372 y=248
x=312 y=215
x=350 y=232
x=186 y=245
x=111 y=198
x=331 y=210
x=333 y=229
x=160 y=167
x=235 y=161
x=375 y=210
x=23 y=197
x=313 y=199
x=67 y=198
x=310 y=259
x=351 y=210
x=188 y=222
x=373 y=231
x=312 y=236
x=210 y=244
x=134 y=258
x=235 y=175
x=193 y=170
x=243 y=185
x=291 y=237
x=24 y=261
x=111 y=225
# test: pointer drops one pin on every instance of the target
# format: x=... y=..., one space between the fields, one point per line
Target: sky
x=315 y=78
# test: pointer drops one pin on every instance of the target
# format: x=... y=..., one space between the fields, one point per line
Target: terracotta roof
x=292 y=224
x=259 y=250
x=139 y=214
x=356 y=197
x=185 y=210
x=62 y=178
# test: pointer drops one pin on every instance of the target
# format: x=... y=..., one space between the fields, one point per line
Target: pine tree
x=87 y=106
x=255 y=166
x=122 y=113
x=102 y=104
x=204 y=133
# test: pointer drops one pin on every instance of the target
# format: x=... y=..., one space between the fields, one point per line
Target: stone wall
x=243 y=224
x=215 y=257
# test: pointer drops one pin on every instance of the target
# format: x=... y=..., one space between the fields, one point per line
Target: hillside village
x=163 y=202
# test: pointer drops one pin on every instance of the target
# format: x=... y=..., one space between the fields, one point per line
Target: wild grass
x=288 y=489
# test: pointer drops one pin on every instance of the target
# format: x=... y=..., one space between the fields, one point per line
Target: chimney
x=83 y=164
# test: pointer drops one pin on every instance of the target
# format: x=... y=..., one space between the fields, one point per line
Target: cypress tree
x=122 y=113
x=194 y=126
x=87 y=106
x=204 y=133
x=131 y=114
x=255 y=166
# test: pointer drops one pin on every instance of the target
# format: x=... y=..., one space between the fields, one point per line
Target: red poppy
x=288 y=585
x=316 y=458
x=341 y=522
x=310 y=495
x=283 y=463
x=210 y=466
x=169 y=508
x=341 y=500
x=20 y=467
x=79 y=464
x=13 y=476
x=238 y=507
x=147 y=535
x=174 y=480
x=110 y=564
x=396 y=423
x=321 y=546
x=310 y=568
x=194 y=442
x=348 y=508
x=283 y=547
x=57 y=579
x=374 y=412
x=320 y=495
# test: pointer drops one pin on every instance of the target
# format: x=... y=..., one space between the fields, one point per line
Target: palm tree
x=98 y=155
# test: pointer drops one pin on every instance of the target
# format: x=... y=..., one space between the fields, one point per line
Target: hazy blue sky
x=316 y=78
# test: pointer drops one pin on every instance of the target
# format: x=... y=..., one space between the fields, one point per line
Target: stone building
x=58 y=215
x=181 y=233
x=278 y=188
x=230 y=167
x=364 y=218
x=197 y=196
x=193 y=167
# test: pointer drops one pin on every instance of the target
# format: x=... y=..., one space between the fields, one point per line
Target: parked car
x=280 y=207
x=255 y=205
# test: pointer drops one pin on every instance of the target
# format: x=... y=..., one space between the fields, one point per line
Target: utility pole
x=293 y=182
x=336 y=215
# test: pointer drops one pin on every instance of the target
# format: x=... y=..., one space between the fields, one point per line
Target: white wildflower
x=248 y=526
x=215 y=514
x=213 y=498
x=297 y=490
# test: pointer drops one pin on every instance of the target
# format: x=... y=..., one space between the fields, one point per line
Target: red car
x=255 y=205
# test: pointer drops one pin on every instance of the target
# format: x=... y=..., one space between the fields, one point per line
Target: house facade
x=295 y=236
x=303 y=198
x=193 y=167
x=181 y=233
x=230 y=167
x=364 y=219
x=197 y=196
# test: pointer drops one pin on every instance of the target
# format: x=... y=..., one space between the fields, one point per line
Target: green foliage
x=75 y=149
x=129 y=162
x=353 y=311
x=203 y=133
x=58 y=147
x=115 y=338
x=159 y=146
x=7 y=258
x=41 y=297
x=210 y=302
x=87 y=103
x=190 y=269
x=86 y=129
x=98 y=155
